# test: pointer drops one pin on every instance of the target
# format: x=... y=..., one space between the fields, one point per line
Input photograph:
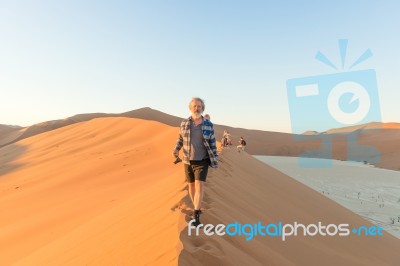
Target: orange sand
x=105 y=192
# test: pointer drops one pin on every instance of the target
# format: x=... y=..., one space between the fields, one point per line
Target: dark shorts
x=197 y=170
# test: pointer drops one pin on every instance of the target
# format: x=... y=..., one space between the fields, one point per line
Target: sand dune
x=259 y=142
x=105 y=192
x=385 y=139
x=142 y=113
x=95 y=192
x=10 y=136
x=368 y=126
x=248 y=191
x=9 y=133
x=8 y=128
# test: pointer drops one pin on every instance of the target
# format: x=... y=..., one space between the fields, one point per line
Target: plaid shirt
x=208 y=140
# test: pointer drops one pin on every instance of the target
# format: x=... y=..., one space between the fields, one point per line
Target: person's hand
x=177 y=160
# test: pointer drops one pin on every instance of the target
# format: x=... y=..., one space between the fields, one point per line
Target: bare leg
x=192 y=190
x=198 y=196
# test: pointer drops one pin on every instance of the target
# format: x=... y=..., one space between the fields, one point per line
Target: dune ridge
x=105 y=192
x=86 y=193
x=248 y=191
x=375 y=134
x=9 y=135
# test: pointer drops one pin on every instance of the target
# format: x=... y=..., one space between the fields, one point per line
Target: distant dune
x=6 y=130
x=368 y=126
x=383 y=136
x=105 y=192
x=144 y=113
x=8 y=134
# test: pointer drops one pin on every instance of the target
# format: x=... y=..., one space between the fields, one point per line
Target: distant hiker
x=197 y=139
x=242 y=144
x=224 y=140
x=207 y=116
x=228 y=138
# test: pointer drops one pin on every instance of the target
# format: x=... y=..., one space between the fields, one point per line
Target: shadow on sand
x=8 y=154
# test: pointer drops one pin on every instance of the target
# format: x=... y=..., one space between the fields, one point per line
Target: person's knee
x=199 y=184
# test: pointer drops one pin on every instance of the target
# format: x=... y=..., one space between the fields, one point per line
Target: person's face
x=196 y=108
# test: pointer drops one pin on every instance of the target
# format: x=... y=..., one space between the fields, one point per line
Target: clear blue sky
x=60 y=58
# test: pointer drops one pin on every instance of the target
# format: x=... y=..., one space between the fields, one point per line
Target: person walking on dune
x=242 y=144
x=197 y=139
